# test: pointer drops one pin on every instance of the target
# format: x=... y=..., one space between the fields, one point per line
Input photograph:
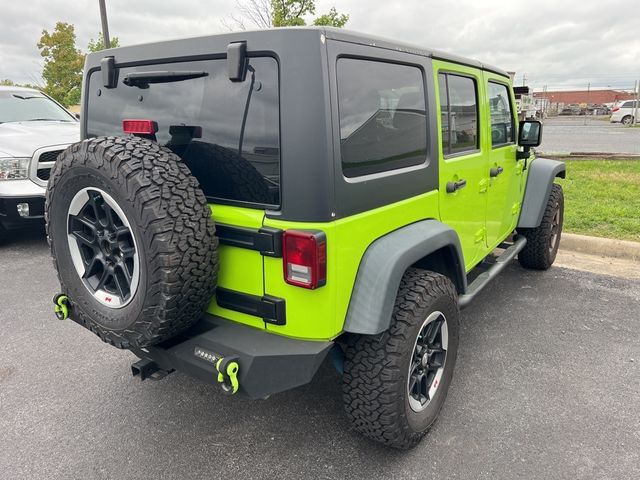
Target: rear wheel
x=627 y=120
x=132 y=239
x=543 y=242
x=395 y=383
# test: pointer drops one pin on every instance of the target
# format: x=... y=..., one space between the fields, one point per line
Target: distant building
x=559 y=100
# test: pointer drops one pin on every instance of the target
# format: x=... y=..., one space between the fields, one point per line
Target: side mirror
x=77 y=115
x=530 y=133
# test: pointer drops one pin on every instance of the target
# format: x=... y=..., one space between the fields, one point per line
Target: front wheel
x=395 y=383
x=543 y=241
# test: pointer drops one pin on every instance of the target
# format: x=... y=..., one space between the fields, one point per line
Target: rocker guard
x=269 y=363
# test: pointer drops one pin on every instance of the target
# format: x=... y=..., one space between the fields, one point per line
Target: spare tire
x=132 y=239
x=225 y=174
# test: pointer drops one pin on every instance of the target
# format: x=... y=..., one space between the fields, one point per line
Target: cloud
x=558 y=44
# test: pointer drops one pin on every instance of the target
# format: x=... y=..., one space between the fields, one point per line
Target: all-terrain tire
x=170 y=223
x=377 y=367
x=543 y=241
x=226 y=174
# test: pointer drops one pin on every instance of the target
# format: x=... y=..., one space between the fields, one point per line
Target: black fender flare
x=384 y=263
x=542 y=173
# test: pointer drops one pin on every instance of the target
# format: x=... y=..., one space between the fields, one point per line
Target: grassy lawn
x=602 y=198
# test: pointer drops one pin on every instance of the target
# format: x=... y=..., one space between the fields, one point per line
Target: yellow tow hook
x=61 y=306
x=227 y=368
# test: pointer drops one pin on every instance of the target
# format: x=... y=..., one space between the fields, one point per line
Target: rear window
x=382 y=116
x=227 y=133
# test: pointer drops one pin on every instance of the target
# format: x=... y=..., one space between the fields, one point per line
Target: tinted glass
x=444 y=112
x=26 y=106
x=382 y=116
x=463 y=113
x=501 y=115
x=227 y=133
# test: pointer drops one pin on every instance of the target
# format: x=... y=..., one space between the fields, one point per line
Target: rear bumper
x=268 y=363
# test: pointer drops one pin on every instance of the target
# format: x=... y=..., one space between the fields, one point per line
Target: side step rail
x=485 y=277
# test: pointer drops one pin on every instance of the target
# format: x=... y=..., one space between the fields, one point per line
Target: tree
x=281 y=13
x=332 y=19
x=63 y=63
x=98 y=44
x=7 y=82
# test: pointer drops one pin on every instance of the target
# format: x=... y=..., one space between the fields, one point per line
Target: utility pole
x=524 y=79
x=587 y=107
x=105 y=24
x=635 y=104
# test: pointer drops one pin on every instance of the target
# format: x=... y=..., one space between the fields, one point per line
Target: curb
x=604 y=247
x=589 y=155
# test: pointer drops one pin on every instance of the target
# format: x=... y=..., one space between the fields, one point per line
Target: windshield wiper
x=143 y=79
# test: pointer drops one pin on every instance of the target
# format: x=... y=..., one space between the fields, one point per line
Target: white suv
x=624 y=112
x=34 y=129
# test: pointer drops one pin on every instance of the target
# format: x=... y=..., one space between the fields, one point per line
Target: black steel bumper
x=9 y=217
x=269 y=363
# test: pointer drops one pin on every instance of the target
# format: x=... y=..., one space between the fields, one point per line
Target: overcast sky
x=560 y=43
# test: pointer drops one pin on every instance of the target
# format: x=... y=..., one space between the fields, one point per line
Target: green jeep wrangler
x=243 y=204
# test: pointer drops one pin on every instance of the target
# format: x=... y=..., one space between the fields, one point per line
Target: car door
x=504 y=194
x=463 y=165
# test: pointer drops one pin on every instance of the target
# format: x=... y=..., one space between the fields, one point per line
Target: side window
x=382 y=112
x=461 y=121
x=501 y=115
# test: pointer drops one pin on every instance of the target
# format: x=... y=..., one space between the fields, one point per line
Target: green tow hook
x=227 y=368
x=61 y=306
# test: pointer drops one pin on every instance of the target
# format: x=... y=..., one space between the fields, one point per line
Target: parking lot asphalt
x=588 y=134
x=547 y=386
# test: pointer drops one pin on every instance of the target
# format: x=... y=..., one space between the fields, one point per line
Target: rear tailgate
x=228 y=134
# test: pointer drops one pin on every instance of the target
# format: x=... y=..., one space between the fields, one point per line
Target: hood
x=21 y=139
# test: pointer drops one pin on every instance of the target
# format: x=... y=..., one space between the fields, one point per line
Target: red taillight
x=139 y=127
x=305 y=258
x=615 y=109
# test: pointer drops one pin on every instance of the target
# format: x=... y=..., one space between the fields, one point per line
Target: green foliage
x=332 y=19
x=63 y=63
x=291 y=13
x=98 y=44
x=602 y=198
x=10 y=83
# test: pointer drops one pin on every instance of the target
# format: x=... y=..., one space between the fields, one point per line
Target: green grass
x=602 y=198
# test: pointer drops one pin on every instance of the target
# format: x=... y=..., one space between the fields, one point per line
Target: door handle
x=455 y=186
x=495 y=171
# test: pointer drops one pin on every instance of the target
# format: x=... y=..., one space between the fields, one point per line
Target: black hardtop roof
x=381 y=42
x=338 y=34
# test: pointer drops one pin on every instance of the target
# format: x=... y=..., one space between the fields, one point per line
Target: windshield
x=25 y=106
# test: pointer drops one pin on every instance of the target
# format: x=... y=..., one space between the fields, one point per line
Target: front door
x=463 y=166
x=505 y=172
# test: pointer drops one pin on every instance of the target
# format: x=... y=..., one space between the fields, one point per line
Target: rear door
x=463 y=165
x=228 y=134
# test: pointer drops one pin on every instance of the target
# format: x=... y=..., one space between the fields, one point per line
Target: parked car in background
x=34 y=129
x=570 y=110
x=624 y=112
